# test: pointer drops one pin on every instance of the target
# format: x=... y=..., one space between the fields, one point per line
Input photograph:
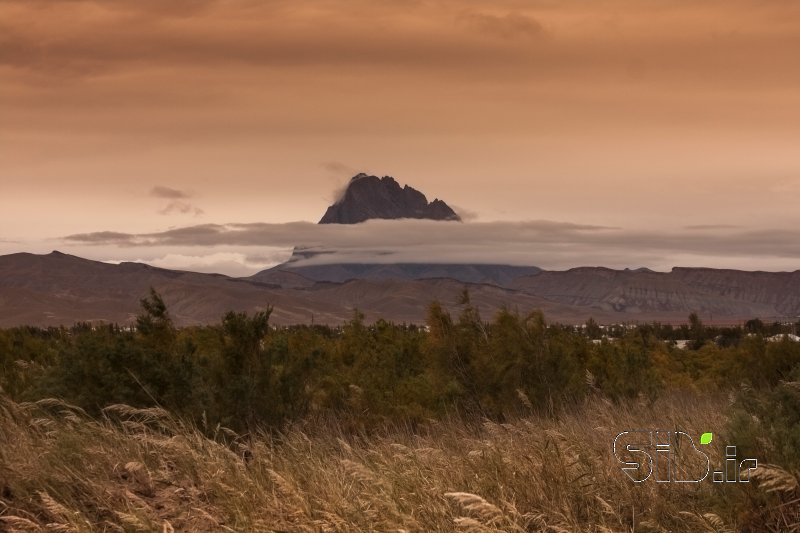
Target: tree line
x=244 y=374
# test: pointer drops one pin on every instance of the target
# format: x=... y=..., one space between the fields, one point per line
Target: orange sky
x=642 y=115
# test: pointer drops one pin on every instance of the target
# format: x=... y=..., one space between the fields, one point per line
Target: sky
x=566 y=133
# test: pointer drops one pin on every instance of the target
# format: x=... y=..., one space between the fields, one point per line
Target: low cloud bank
x=547 y=244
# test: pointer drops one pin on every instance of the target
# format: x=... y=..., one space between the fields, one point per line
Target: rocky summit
x=368 y=197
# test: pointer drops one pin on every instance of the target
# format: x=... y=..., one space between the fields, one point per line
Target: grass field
x=143 y=470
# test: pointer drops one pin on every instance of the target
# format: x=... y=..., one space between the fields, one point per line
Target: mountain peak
x=368 y=197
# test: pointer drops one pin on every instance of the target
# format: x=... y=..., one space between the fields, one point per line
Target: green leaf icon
x=705 y=438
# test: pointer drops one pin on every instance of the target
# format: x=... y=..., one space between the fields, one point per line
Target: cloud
x=177 y=205
x=102 y=39
x=706 y=227
x=543 y=243
x=467 y=215
x=340 y=169
x=230 y=263
x=586 y=42
x=183 y=208
x=371 y=234
x=175 y=7
x=786 y=186
x=508 y=26
x=99 y=237
x=167 y=192
x=106 y=36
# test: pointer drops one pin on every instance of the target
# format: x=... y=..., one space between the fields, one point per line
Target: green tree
x=154 y=321
x=624 y=368
x=449 y=364
x=755 y=326
x=593 y=330
x=244 y=377
x=697 y=331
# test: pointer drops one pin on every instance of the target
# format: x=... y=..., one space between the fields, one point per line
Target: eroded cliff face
x=720 y=292
x=368 y=197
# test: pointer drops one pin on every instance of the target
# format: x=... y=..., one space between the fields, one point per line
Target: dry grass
x=142 y=470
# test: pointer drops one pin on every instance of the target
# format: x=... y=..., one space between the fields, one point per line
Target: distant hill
x=59 y=289
x=718 y=293
x=500 y=275
x=368 y=197
x=56 y=289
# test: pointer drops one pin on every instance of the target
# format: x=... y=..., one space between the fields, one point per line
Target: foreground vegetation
x=143 y=470
x=504 y=425
x=245 y=375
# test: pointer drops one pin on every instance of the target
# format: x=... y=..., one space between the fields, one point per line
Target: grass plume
x=144 y=470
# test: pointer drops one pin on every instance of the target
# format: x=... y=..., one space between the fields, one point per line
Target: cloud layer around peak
x=547 y=244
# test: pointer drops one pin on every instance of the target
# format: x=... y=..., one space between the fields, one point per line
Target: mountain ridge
x=60 y=289
x=496 y=274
